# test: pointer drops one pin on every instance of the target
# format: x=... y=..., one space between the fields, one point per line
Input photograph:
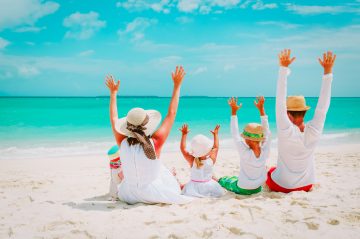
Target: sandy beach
x=67 y=198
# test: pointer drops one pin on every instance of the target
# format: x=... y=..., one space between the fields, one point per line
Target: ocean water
x=34 y=127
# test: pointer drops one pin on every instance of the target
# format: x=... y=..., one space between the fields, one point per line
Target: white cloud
x=86 y=53
x=199 y=70
x=259 y=5
x=140 y=5
x=28 y=71
x=205 y=6
x=284 y=25
x=83 y=25
x=136 y=28
x=24 y=12
x=29 y=29
x=3 y=43
x=184 y=19
x=315 y=10
x=229 y=67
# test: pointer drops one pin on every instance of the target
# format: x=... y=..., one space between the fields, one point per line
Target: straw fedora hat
x=200 y=146
x=136 y=116
x=296 y=103
x=253 y=131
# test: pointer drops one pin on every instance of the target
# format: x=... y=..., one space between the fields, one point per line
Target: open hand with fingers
x=216 y=130
x=184 y=129
x=327 y=62
x=110 y=83
x=284 y=58
x=178 y=76
x=259 y=104
x=233 y=103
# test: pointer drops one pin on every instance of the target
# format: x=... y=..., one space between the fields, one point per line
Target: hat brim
x=201 y=153
x=299 y=109
x=151 y=126
x=253 y=139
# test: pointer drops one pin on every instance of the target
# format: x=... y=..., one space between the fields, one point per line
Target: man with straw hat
x=295 y=169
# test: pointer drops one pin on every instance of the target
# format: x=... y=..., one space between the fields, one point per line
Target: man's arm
x=282 y=120
x=323 y=104
x=188 y=157
x=110 y=83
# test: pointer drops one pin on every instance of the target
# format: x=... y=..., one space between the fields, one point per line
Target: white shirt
x=295 y=166
x=252 y=169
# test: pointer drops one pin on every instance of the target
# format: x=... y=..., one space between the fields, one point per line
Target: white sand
x=66 y=198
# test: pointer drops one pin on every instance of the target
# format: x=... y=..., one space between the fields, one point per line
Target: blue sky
x=228 y=47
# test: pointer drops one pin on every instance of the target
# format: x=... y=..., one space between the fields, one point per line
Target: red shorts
x=277 y=188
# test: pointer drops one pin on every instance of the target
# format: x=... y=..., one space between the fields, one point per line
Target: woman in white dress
x=201 y=160
x=146 y=179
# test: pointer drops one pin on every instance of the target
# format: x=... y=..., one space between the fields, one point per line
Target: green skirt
x=230 y=183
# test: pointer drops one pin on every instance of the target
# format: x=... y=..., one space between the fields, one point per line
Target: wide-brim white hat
x=136 y=116
x=200 y=146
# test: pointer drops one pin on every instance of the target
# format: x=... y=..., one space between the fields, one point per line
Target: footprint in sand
x=312 y=225
x=207 y=234
x=333 y=222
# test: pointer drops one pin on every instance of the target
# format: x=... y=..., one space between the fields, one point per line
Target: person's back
x=296 y=141
x=138 y=169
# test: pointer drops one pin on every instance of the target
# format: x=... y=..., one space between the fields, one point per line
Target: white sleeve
x=316 y=125
x=235 y=134
x=266 y=129
x=283 y=122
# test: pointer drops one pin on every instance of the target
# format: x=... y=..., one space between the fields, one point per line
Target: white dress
x=146 y=180
x=201 y=183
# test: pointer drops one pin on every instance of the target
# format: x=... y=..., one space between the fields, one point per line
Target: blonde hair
x=198 y=162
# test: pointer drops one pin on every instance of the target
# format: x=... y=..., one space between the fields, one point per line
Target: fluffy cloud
x=29 y=29
x=86 y=53
x=315 y=10
x=205 y=6
x=83 y=25
x=3 y=43
x=28 y=71
x=139 y=5
x=284 y=25
x=136 y=28
x=259 y=5
x=199 y=70
x=14 y=13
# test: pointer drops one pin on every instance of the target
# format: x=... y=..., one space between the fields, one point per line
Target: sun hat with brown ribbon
x=253 y=131
x=296 y=103
x=140 y=124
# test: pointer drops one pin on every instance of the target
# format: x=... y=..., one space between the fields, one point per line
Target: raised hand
x=327 y=62
x=178 y=76
x=234 y=105
x=216 y=130
x=259 y=104
x=110 y=83
x=184 y=129
x=284 y=58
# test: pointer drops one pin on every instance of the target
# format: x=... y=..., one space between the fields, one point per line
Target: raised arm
x=162 y=133
x=114 y=87
x=215 y=149
x=325 y=94
x=184 y=132
x=282 y=120
x=234 y=120
x=260 y=105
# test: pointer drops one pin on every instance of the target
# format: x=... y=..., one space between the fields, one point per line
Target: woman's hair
x=297 y=114
x=134 y=141
x=198 y=162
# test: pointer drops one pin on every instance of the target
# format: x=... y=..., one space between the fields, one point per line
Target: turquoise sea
x=30 y=127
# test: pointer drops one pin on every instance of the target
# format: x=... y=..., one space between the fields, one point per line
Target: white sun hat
x=136 y=117
x=200 y=145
